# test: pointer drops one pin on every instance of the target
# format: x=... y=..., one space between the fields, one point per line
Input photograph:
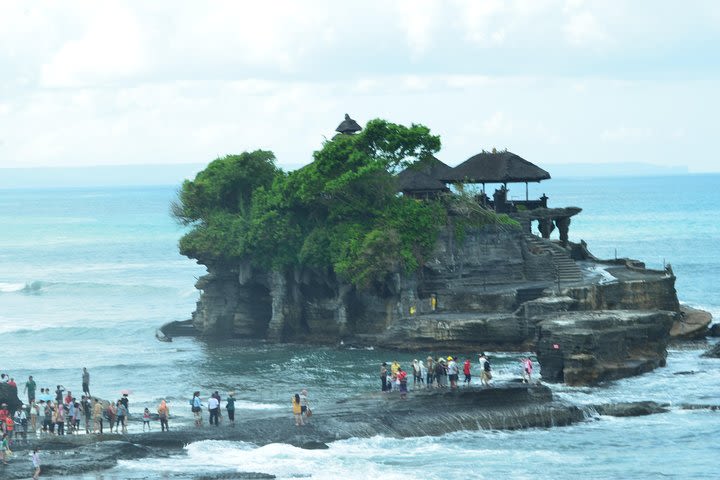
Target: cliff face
x=496 y=288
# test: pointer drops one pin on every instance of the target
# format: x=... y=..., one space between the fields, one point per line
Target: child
x=146 y=419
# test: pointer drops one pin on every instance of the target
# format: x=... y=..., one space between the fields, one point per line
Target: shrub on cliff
x=340 y=212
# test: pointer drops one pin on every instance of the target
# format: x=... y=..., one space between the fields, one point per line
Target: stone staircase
x=566 y=270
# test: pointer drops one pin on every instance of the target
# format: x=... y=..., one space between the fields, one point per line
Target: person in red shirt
x=466 y=371
x=68 y=398
x=402 y=378
x=12 y=383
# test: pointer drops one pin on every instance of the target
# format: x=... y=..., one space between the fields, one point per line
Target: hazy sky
x=556 y=81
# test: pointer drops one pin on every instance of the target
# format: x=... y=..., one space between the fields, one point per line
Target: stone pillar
x=545 y=225
x=278 y=292
x=563 y=224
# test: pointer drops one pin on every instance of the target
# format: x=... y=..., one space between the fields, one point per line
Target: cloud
x=583 y=29
x=111 y=46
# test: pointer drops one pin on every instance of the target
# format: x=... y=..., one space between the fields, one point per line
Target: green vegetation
x=341 y=212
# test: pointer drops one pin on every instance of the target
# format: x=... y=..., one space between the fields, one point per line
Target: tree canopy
x=341 y=211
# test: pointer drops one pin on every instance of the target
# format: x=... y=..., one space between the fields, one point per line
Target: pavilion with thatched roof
x=499 y=167
x=422 y=179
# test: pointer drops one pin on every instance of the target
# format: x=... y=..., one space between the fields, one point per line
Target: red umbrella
x=125 y=392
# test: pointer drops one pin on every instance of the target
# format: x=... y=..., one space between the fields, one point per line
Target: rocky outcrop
x=586 y=348
x=692 y=324
x=489 y=289
x=426 y=412
x=713 y=352
x=9 y=396
x=631 y=409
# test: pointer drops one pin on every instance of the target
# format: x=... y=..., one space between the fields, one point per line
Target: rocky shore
x=509 y=406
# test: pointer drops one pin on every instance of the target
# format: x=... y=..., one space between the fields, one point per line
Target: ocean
x=88 y=274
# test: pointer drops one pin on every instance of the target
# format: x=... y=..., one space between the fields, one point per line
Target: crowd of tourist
x=442 y=372
x=60 y=412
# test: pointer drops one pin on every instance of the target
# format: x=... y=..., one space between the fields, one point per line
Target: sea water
x=87 y=275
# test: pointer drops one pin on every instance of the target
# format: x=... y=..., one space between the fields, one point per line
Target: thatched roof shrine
x=496 y=167
x=348 y=126
x=411 y=180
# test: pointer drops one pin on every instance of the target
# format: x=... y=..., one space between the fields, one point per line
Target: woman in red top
x=402 y=378
x=466 y=371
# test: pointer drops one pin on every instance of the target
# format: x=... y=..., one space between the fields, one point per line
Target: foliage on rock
x=341 y=212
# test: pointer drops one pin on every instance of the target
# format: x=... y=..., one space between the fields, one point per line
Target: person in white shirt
x=214 y=409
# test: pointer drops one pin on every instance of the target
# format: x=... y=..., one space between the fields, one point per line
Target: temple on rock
x=430 y=177
x=490 y=286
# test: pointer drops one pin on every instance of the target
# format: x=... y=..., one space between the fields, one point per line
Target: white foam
x=11 y=287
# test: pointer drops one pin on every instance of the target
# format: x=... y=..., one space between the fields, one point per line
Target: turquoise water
x=87 y=275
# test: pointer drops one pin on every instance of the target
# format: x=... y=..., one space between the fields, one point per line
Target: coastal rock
x=631 y=409
x=713 y=352
x=488 y=290
x=714 y=330
x=692 y=324
x=8 y=395
x=586 y=348
x=425 y=412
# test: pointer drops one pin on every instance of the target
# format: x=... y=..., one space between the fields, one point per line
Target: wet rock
x=631 y=409
x=692 y=324
x=8 y=395
x=586 y=348
x=714 y=352
x=314 y=446
x=714 y=330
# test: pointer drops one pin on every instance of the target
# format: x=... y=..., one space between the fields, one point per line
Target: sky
x=559 y=82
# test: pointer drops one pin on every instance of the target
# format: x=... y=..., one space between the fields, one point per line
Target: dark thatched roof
x=432 y=167
x=348 y=125
x=499 y=167
x=411 y=180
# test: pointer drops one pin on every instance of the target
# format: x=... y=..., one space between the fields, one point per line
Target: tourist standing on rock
x=196 y=408
x=146 y=419
x=383 y=376
x=453 y=372
x=97 y=413
x=394 y=367
x=230 y=407
x=163 y=414
x=527 y=370
x=297 y=410
x=47 y=417
x=86 y=381
x=36 y=463
x=467 y=372
x=219 y=399
x=485 y=374
x=34 y=414
x=21 y=421
x=59 y=394
x=402 y=380
x=304 y=403
x=30 y=389
x=4 y=448
x=122 y=414
x=430 y=373
x=417 y=374
x=214 y=409
x=111 y=414
x=87 y=411
x=60 y=419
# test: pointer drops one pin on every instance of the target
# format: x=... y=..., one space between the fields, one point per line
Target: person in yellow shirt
x=297 y=410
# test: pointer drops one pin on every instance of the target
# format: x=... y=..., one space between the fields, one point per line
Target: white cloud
x=110 y=47
x=583 y=29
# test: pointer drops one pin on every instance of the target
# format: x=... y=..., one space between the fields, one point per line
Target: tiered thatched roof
x=348 y=126
x=424 y=176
